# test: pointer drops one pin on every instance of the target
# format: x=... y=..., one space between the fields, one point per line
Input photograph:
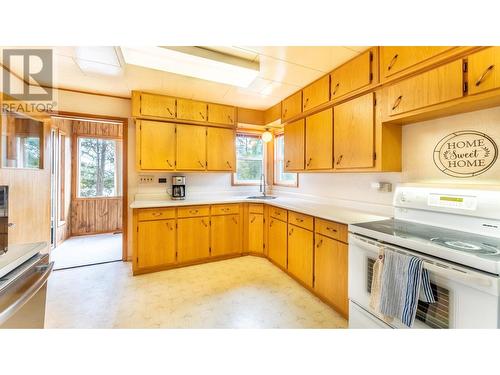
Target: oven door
x=465 y=298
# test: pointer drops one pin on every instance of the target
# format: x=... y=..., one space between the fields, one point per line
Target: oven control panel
x=460 y=202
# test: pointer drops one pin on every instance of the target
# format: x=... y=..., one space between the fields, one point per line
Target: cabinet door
x=330 y=272
x=291 y=106
x=221 y=114
x=157 y=106
x=277 y=242
x=316 y=93
x=300 y=254
x=394 y=59
x=352 y=76
x=193 y=239
x=256 y=233
x=191 y=110
x=220 y=149
x=294 y=145
x=191 y=147
x=484 y=70
x=226 y=235
x=432 y=87
x=156 y=145
x=353 y=133
x=155 y=243
x=319 y=140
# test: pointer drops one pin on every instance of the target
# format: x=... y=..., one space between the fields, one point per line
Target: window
x=98 y=167
x=62 y=177
x=280 y=176
x=249 y=159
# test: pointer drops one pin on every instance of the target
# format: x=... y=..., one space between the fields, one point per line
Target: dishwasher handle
x=8 y=312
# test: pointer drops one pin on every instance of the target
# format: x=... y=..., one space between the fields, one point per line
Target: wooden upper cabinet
x=156 y=243
x=191 y=110
x=484 y=70
x=432 y=87
x=221 y=149
x=191 y=148
x=157 y=105
x=319 y=140
x=352 y=76
x=193 y=239
x=354 y=125
x=300 y=254
x=156 y=145
x=291 y=106
x=226 y=235
x=316 y=93
x=395 y=59
x=294 y=145
x=221 y=114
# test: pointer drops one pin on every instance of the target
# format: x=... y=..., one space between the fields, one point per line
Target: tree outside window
x=249 y=159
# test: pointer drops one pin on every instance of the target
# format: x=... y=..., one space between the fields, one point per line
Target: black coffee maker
x=178 y=187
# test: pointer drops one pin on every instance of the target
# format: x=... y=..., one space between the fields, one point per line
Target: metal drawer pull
x=225 y=209
x=169 y=111
x=271 y=223
x=483 y=76
x=393 y=61
x=305 y=103
x=203 y=165
x=299 y=219
x=309 y=162
x=332 y=229
x=339 y=159
x=285 y=111
x=287 y=163
x=291 y=232
x=230 y=119
x=234 y=220
x=229 y=164
x=203 y=222
x=157 y=213
x=336 y=88
x=201 y=114
x=169 y=164
x=319 y=243
x=253 y=219
x=397 y=102
x=193 y=211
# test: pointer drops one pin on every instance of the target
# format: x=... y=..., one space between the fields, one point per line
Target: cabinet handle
x=201 y=114
x=169 y=226
x=203 y=165
x=271 y=223
x=253 y=219
x=169 y=164
x=335 y=89
x=305 y=103
x=230 y=119
x=319 y=243
x=331 y=229
x=284 y=112
x=203 y=222
x=157 y=213
x=234 y=220
x=193 y=211
x=397 y=102
x=309 y=162
x=170 y=112
x=393 y=61
x=229 y=165
x=225 y=209
x=287 y=163
x=291 y=232
x=483 y=76
x=339 y=159
x=299 y=219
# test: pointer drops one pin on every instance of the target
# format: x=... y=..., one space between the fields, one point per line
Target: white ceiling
x=283 y=70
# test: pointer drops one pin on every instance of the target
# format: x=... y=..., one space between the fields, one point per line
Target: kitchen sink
x=262 y=197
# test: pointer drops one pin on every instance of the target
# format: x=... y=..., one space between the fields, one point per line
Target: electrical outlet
x=144 y=179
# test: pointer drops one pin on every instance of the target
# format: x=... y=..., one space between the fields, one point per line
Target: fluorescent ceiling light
x=195 y=62
x=100 y=60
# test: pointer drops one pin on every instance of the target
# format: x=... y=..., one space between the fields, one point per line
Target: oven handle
x=449 y=272
x=8 y=312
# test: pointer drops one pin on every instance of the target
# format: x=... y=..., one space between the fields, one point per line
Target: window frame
x=251 y=134
x=276 y=182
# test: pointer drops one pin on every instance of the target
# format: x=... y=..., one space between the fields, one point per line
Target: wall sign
x=465 y=153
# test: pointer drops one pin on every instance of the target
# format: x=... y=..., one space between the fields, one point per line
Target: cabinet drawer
x=225 y=209
x=301 y=220
x=156 y=214
x=193 y=211
x=254 y=208
x=278 y=213
x=291 y=106
x=316 y=93
x=331 y=229
x=433 y=87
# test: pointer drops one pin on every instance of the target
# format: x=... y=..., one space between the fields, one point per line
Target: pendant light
x=267 y=136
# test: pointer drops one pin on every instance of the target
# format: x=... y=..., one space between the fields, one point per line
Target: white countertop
x=322 y=210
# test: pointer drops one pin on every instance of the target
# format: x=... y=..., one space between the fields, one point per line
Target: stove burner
x=472 y=247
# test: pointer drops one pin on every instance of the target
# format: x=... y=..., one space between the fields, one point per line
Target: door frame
x=124 y=121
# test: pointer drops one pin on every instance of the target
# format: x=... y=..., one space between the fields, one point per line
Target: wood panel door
x=330 y=272
x=156 y=149
x=300 y=254
x=256 y=233
x=353 y=135
x=277 y=241
x=291 y=106
x=395 y=59
x=191 y=148
x=352 y=76
x=221 y=149
x=294 y=145
x=157 y=106
x=221 y=114
x=319 y=140
x=155 y=243
x=316 y=93
x=191 y=110
x=193 y=239
x=432 y=87
x=226 y=235
x=484 y=70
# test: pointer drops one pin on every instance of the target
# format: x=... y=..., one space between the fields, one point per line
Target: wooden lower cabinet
x=300 y=254
x=277 y=242
x=256 y=233
x=225 y=235
x=193 y=239
x=330 y=272
x=155 y=243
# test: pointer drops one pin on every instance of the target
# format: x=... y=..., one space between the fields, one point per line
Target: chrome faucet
x=263 y=184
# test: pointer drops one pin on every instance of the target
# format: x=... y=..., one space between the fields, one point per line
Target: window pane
x=97 y=167
x=249 y=159
x=281 y=176
x=249 y=170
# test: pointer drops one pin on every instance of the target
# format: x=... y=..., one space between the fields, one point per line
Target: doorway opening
x=89 y=194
